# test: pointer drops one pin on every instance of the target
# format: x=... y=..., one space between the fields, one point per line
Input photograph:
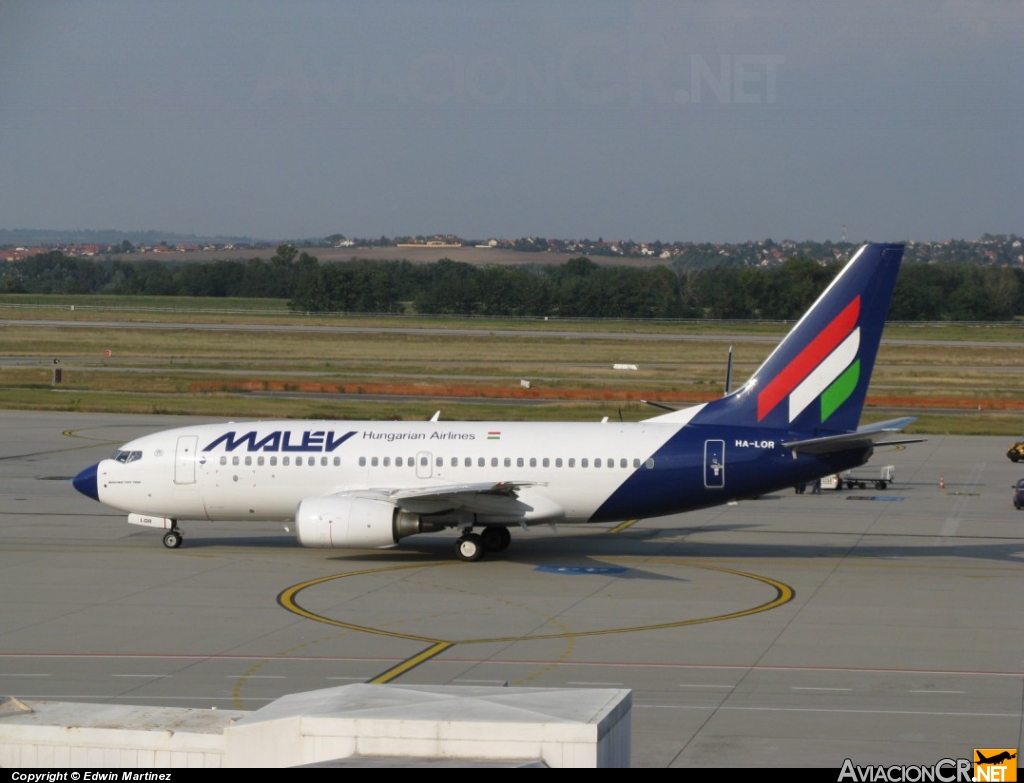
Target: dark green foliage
x=577 y=289
x=354 y=287
x=450 y=289
x=958 y=292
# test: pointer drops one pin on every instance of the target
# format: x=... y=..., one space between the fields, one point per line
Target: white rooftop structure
x=352 y=725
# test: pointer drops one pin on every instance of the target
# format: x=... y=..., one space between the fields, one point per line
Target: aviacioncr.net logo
x=943 y=771
x=995 y=764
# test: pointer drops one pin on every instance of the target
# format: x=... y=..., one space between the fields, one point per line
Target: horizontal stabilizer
x=864 y=437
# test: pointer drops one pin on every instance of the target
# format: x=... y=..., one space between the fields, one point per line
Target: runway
x=793 y=630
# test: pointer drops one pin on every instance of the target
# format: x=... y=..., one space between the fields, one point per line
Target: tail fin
x=817 y=378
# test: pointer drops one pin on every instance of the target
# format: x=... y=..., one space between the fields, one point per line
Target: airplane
x=997 y=759
x=370 y=484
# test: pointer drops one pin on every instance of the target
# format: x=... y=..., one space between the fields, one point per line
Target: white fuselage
x=263 y=470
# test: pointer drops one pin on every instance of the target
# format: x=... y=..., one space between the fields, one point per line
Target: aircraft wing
x=514 y=499
x=864 y=437
x=450 y=491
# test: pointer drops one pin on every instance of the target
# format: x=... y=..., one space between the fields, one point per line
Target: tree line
x=578 y=288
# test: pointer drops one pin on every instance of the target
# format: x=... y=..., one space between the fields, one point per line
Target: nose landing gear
x=173 y=537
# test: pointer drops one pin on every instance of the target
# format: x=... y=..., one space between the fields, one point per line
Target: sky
x=627 y=119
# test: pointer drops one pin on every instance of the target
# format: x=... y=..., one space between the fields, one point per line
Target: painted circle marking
x=287 y=599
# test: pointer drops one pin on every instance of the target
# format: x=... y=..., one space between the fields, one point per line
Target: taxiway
x=792 y=630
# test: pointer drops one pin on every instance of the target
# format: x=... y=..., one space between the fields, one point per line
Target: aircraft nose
x=85 y=482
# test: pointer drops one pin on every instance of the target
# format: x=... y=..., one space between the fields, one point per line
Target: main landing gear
x=472 y=546
x=173 y=537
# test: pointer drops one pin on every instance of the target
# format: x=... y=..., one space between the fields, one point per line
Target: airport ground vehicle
x=1018 y=494
x=886 y=475
x=1016 y=451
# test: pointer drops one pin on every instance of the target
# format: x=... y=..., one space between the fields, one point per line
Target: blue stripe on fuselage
x=677 y=482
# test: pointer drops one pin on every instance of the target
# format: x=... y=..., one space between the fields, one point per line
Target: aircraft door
x=423 y=464
x=714 y=464
x=185 y=460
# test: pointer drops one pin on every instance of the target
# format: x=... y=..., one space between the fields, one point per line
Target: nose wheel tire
x=172 y=540
x=470 y=547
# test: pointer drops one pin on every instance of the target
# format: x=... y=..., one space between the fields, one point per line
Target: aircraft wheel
x=470 y=547
x=496 y=539
x=172 y=540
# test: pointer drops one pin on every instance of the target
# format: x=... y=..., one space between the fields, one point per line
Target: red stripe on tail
x=809 y=358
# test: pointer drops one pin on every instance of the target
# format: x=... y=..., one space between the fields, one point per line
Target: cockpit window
x=126 y=456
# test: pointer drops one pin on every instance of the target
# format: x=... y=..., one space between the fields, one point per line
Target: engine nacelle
x=354 y=522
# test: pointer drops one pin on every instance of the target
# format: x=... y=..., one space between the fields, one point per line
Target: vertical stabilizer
x=817 y=378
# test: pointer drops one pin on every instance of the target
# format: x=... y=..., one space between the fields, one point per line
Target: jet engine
x=355 y=522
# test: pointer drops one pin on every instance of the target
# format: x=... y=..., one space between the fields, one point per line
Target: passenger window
x=248 y=460
x=298 y=460
x=611 y=463
x=558 y=462
x=259 y=460
x=584 y=463
x=547 y=462
x=234 y=460
x=337 y=461
x=223 y=460
x=362 y=462
x=508 y=462
x=273 y=461
x=636 y=462
x=533 y=462
x=649 y=464
x=455 y=462
x=468 y=462
x=480 y=462
x=387 y=462
x=398 y=462
x=285 y=461
x=572 y=462
x=373 y=462
x=323 y=461
x=424 y=461
x=519 y=462
x=494 y=462
x=623 y=463
x=597 y=463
